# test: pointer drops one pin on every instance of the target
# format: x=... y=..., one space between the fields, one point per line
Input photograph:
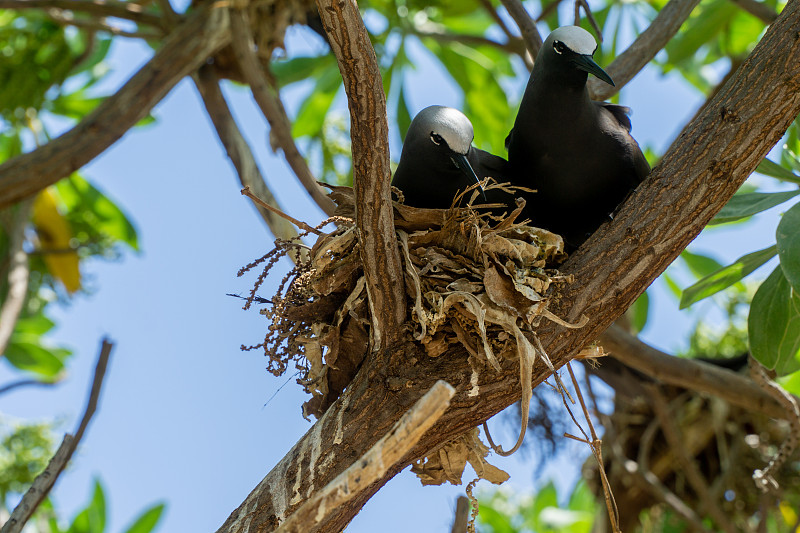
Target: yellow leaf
x=54 y=240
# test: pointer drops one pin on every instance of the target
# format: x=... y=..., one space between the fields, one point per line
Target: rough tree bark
x=700 y=172
x=369 y=132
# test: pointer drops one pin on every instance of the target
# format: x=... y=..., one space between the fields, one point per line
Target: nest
x=269 y=20
x=471 y=278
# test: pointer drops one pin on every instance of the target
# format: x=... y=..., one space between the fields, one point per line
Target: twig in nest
x=44 y=482
x=258 y=201
x=596 y=446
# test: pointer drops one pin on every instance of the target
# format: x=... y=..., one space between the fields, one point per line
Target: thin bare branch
x=44 y=482
x=66 y=18
x=207 y=83
x=392 y=447
x=183 y=51
x=644 y=48
x=269 y=103
x=672 y=434
x=489 y=8
x=515 y=45
x=526 y=25
x=14 y=385
x=369 y=134
x=689 y=374
x=98 y=8
x=261 y=203
x=758 y=9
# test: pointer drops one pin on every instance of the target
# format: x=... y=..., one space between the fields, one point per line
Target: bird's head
x=445 y=136
x=570 y=48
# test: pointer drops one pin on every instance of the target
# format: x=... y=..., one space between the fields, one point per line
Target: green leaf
x=35 y=325
x=92 y=519
x=582 y=498
x=88 y=206
x=700 y=265
x=639 y=312
x=788 y=237
x=311 y=116
x=745 y=205
x=774 y=170
x=148 y=520
x=708 y=21
x=546 y=497
x=566 y=520
x=499 y=522
x=25 y=352
x=403 y=115
x=672 y=285
x=726 y=276
x=774 y=324
x=791 y=383
x=301 y=68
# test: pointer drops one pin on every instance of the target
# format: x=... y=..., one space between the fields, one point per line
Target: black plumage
x=578 y=154
x=438 y=160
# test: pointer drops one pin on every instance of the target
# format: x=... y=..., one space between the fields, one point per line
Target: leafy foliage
x=503 y=513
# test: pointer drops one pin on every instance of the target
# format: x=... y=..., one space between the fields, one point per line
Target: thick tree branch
x=644 y=48
x=732 y=387
x=18 y=273
x=44 y=482
x=698 y=174
x=188 y=47
x=98 y=8
x=238 y=150
x=272 y=108
x=526 y=25
x=369 y=133
x=373 y=464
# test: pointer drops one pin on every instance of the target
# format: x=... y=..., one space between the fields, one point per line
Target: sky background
x=183 y=416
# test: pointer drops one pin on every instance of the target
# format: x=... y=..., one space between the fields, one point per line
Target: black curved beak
x=461 y=161
x=585 y=62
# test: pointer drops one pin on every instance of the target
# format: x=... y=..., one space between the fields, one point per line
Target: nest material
x=269 y=20
x=471 y=278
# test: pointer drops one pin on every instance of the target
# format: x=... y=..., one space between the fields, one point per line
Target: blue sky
x=182 y=417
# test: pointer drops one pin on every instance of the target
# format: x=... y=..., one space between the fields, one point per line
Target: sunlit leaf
x=147 y=521
x=774 y=324
x=700 y=265
x=26 y=353
x=89 y=207
x=314 y=109
x=639 y=312
x=788 y=237
x=726 y=276
x=92 y=519
x=745 y=205
x=774 y=170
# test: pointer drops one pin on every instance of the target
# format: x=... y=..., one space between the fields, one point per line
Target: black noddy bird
x=438 y=160
x=578 y=154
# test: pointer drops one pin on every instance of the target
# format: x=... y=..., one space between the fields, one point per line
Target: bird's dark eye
x=559 y=47
x=436 y=138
